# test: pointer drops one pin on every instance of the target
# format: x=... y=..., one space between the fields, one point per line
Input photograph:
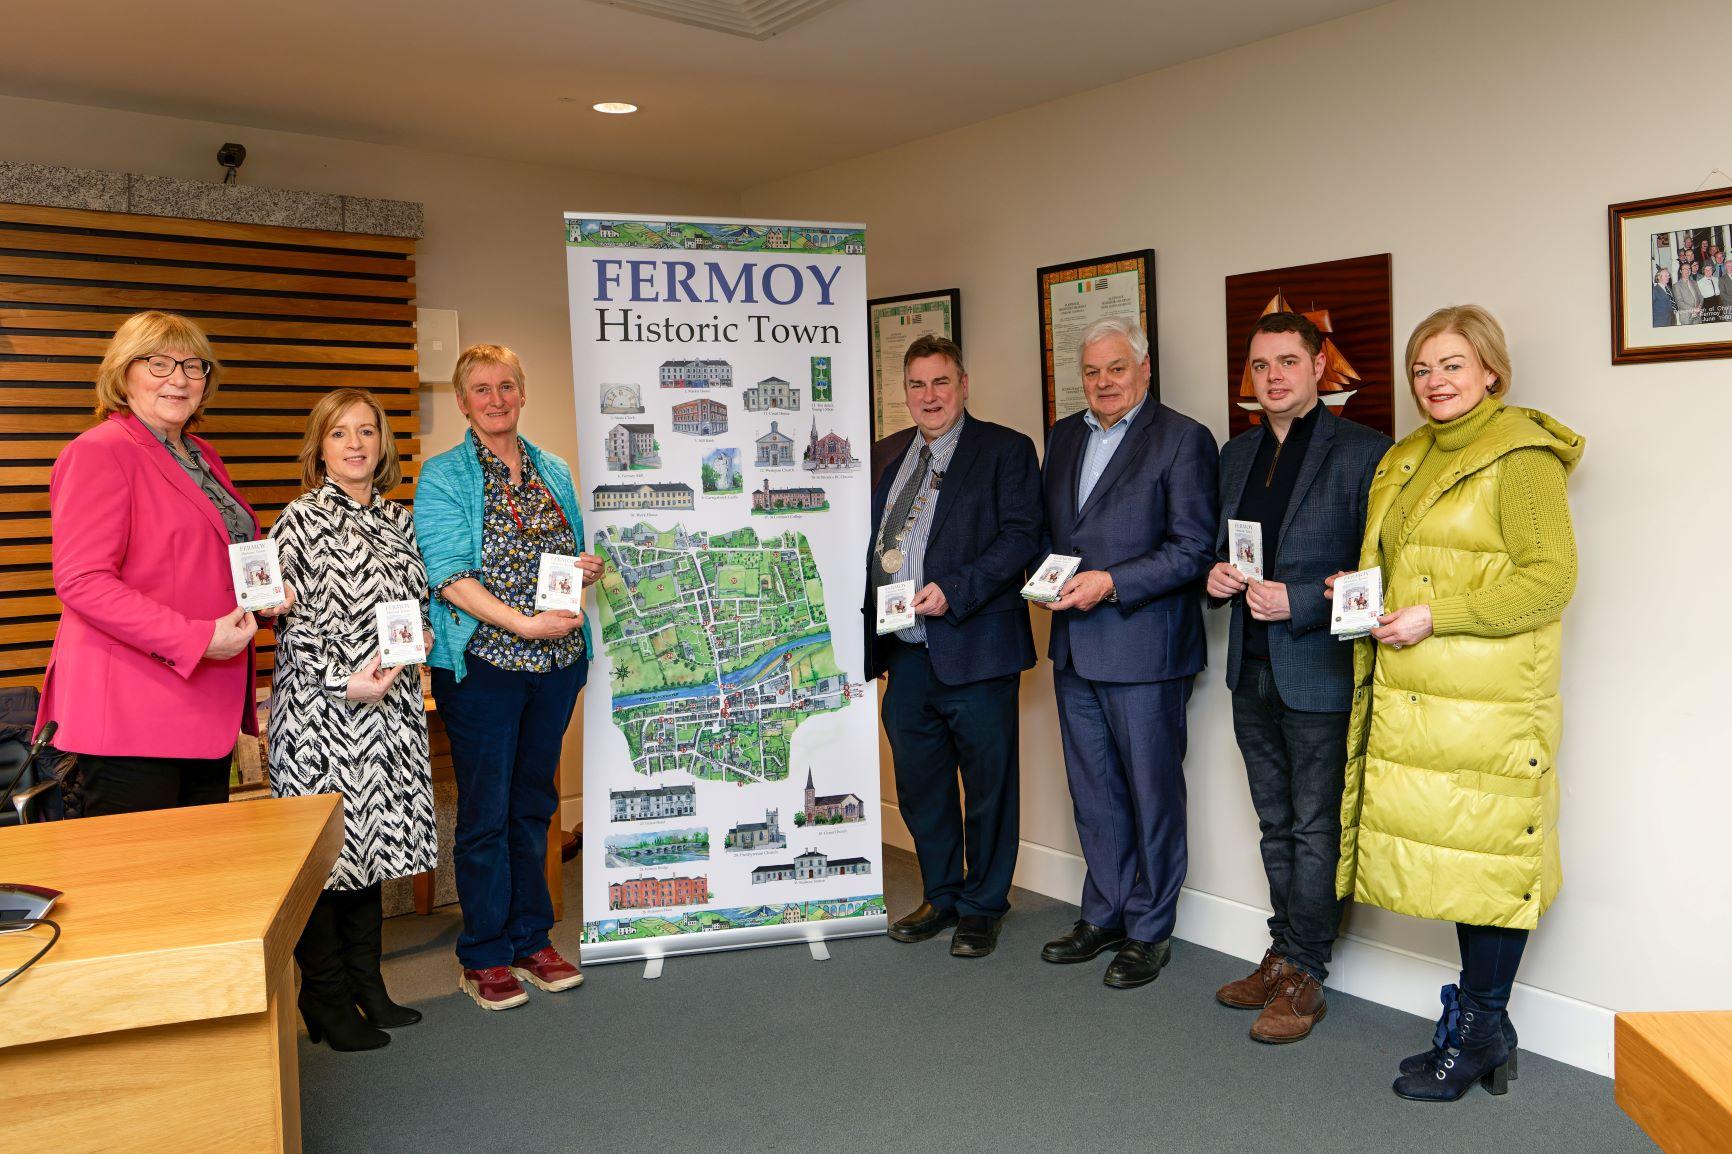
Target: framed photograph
x=1674 y=254
x=1072 y=297
x=1349 y=302
x=894 y=323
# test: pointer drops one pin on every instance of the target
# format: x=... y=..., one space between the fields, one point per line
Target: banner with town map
x=730 y=744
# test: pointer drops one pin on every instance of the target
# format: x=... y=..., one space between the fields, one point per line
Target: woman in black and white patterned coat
x=339 y=723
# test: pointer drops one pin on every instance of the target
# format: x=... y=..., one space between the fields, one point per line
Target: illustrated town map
x=719 y=645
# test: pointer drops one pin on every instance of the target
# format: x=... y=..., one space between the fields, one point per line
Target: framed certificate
x=1072 y=297
x=893 y=323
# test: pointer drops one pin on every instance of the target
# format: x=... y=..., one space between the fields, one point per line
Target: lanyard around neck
x=534 y=482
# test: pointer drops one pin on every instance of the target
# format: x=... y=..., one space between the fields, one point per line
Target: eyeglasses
x=161 y=365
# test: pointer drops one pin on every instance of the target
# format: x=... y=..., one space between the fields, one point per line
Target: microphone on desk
x=36 y=747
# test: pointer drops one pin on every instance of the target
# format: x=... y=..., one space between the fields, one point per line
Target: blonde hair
x=476 y=356
x=1475 y=326
x=144 y=335
x=387 y=474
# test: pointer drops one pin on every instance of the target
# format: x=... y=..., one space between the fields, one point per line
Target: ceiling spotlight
x=614 y=107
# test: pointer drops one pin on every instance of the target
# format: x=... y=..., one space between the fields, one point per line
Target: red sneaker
x=493 y=988
x=545 y=968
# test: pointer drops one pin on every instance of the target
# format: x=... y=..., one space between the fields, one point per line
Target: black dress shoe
x=922 y=923
x=1138 y=963
x=975 y=936
x=1083 y=942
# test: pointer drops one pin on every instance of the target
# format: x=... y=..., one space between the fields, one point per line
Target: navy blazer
x=1150 y=522
x=986 y=526
x=1320 y=535
x=1663 y=306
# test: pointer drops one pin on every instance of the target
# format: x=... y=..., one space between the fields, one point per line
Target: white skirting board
x=1559 y=1027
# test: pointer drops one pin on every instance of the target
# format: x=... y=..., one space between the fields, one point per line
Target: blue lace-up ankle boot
x=1413 y=1064
x=1473 y=1050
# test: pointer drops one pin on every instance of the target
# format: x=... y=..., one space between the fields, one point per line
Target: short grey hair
x=1108 y=327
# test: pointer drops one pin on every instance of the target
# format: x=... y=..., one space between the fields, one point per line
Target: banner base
x=745 y=938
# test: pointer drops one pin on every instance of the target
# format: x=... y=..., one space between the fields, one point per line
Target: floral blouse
x=520 y=522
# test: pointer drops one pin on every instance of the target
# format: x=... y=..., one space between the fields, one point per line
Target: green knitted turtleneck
x=1534 y=512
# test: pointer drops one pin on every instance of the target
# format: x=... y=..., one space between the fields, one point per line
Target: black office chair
x=35 y=796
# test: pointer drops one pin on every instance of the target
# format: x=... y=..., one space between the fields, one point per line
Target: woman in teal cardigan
x=505 y=677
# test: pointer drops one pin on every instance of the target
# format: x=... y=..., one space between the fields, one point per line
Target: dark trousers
x=1489 y=957
x=1124 y=756
x=505 y=727
x=102 y=784
x=1295 y=763
x=935 y=730
x=338 y=951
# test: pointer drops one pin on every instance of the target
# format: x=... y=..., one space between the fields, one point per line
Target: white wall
x=492 y=248
x=1480 y=142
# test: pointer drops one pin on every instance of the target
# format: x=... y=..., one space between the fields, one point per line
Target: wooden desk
x=1674 y=1077
x=164 y=1019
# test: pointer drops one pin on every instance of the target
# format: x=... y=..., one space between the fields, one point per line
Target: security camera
x=231 y=156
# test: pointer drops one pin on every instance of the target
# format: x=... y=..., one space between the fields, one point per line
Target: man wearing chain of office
x=956 y=511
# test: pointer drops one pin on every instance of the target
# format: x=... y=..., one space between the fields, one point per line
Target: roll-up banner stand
x=730 y=742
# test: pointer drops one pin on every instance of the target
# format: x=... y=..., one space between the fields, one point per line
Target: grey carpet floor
x=896 y=1047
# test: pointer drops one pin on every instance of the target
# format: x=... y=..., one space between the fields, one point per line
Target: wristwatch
x=1112 y=597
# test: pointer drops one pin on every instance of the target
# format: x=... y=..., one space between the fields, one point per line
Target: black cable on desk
x=37 y=956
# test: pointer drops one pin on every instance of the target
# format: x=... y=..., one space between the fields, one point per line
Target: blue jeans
x=1295 y=763
x=505 y=728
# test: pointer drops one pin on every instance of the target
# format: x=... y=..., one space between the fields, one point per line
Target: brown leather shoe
x=1253 y=992
x=1296 y=1006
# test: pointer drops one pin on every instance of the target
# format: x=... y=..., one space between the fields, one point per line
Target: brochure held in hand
x=895 y=606
x=559 y=583
x=1245 y=548
x=1358 y=604
x=401 y=640
x=258 y=574
x=1050 y=577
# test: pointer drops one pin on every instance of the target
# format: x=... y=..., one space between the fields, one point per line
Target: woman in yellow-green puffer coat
x=1451 y=803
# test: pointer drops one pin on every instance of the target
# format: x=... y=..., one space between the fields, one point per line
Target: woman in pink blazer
x=151 y=674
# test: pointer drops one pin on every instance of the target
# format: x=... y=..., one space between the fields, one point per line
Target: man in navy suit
x=1664 y=316
x=956 y=509
x=1303 y=475
x=1130 y=489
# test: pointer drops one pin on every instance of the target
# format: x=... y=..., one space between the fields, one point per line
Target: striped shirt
x=1102 y=444
x=914 y=549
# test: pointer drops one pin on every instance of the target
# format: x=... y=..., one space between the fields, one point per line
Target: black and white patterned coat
x=343 y=559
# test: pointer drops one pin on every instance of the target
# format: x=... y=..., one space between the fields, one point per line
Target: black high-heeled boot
x=1414 y=1063
x=1473 y=1051
x=326 y=1002
x=339 y=1024
x=361 y=926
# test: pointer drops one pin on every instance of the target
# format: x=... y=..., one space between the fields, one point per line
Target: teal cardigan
x=448 y=519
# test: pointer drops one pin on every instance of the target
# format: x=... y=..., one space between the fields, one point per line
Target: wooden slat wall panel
x=216 y=328
x=192 y=301
x=292 y=313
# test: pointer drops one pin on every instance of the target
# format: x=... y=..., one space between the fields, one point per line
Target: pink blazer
x=142 y=571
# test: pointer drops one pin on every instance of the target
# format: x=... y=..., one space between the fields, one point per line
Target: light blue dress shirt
x=1102 y=444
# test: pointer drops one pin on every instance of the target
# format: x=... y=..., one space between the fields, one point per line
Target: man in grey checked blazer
x=1303 y=474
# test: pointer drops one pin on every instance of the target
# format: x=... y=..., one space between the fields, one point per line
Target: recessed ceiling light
x=614 y=107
